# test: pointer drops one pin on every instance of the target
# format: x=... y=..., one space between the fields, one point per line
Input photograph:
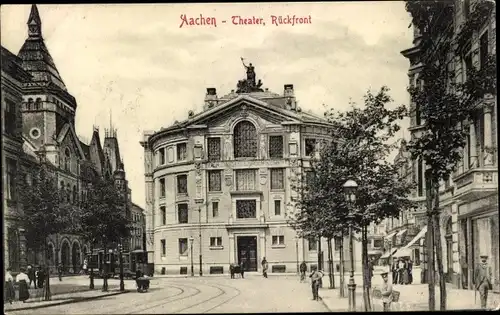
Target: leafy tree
x=42 y=211
x=103 y=218
x=445 y=104
x=359 y=151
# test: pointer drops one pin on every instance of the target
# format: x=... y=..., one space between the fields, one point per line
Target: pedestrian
x=386 y=292
x=409 y=267
x=303 y=270
x=23 y=280
x=60 y=271
x=231 y=270
x=40 y=277
x=242 y=269
x=401 y=271
x=315 y=276
x=85 y=264
x=482 y=280
x=265 y=266
x=10 y=292
x=371 y=264
x=394 y=269
x=31 y=276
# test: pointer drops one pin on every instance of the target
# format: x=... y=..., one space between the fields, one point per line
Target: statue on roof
x=248 y=85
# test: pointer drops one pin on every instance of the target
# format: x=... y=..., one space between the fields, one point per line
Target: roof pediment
x=68 y=130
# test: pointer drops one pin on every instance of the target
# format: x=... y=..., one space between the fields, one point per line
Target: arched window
x=63 y=193
x=245 y=140
x=38 y=103
x=68 y=193
x=75 y=194
x=67 y=159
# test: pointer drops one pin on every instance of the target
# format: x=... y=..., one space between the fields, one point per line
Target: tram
x=110 y=262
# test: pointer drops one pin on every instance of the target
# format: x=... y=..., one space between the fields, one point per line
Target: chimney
x=210 y=98
x=290 y=97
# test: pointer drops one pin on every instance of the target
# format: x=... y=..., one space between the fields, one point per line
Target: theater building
x=219 y=184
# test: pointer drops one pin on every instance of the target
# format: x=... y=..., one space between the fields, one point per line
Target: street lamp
x=191 y=239
x=350 y=188
x=199 y=228
x=297 y=252
x=120 y=251
x=91 y=267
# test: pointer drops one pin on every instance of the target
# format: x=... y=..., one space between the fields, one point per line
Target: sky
x=135 y=63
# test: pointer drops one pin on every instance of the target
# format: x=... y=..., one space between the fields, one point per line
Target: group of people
x=23 y=279
x=402 y=269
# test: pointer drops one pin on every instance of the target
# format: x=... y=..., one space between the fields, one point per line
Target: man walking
x=303 y=269
x=386 y=292
x=31 y=276
x=315 y=276
x=394 y=269
x=265 y=266
x=482 y=280
x=60 y=271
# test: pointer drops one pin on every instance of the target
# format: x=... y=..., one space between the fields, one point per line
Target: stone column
x=470 y=261
x=231 y=248
x=488 y=136
x=472 y=145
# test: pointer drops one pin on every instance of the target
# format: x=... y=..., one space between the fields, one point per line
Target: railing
x=478 y=178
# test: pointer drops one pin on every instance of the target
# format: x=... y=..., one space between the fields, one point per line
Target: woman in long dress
x=10 y=292
x=23 y=280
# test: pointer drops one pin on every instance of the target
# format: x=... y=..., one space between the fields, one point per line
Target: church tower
x=47 y=105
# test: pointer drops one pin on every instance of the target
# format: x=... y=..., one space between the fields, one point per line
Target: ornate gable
x=68 y=138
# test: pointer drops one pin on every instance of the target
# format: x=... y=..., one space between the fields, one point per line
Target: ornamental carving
x=229 y=180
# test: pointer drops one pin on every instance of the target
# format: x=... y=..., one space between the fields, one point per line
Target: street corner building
x=38 y=126
x=469 y=199
x=219 y=185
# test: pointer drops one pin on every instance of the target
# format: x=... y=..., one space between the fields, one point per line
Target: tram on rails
x=109 y=263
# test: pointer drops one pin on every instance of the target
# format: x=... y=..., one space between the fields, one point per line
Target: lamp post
x=120 y=251
x=191 y=239
x=297 y=252
x=199 y=233
x=350 y=188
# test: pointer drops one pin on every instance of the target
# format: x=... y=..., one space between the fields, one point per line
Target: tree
x=103 y=218
x=43 y=213
x=358 y=152
x=446 y=103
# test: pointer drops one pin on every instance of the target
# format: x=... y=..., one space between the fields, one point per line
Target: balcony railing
x=476 y=182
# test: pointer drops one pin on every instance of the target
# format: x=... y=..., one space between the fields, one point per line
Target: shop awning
x=387 y=237
x=403 y=252
x=401 y=232
x=416 y=238
x=389 y=253
x=375 y=252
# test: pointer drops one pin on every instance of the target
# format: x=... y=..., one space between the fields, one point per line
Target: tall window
x=163 y=248
x=277 y=207
x=163 y=212
x=215 y=209
x=277 y=176
x=246 y=209
x=245 y=140
x=161 y=152
x=182 y=213
x=420 y=178
x=214 y=180
x=278 y=240
x=163 y=189
x=313 y=244
x=181 y=151
x=468 y=66
x=338 y=243
x=11 y=179
x=183 y=246
x=68 y=193
x=10 y=117
x=483 y=49
x=67 y=159
x=245 y=180
x=276 y=147
x=75 y=194
x=214 y=149
x=182 y=184
x=418 y=115
x=310 y=146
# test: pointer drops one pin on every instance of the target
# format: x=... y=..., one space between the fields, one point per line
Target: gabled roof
x=112 y=150
x=96 y=152
x=12 y=65
x=64 y=131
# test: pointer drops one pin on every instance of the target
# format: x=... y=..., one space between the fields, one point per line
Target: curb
x=69 y=301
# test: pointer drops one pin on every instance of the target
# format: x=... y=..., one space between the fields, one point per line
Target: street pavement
x=254 y=294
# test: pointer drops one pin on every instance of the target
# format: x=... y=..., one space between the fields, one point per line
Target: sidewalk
x=66 y=298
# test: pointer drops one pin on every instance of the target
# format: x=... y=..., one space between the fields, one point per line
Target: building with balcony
x=219 y=184
x=469 y=199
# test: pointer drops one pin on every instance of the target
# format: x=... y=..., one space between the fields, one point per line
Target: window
x=245 y=140
x=163 y=248
x=278 y=240
x=163 y=212
x=10 y=117
x=418 y=115
x=246 y=209
x=313 y=244
x=468 y=66
x=182 y=213
x=214 y=149
x=277 y=176
x=68 y=193
x=75 y=194
x=182 y=184
x=215 y=209
x=310 y=147
x=11 y=179
x=162 y=188
x=161 y=152
x=67 y=159
x=183 y=246
x=378 y=243
x=215 y=241
x=276 y=147
x=338 y=243
x=420 y=178
x=214 y=180
x=181 y=152
x=483 y=50
x=245 y=180
x=277 y=207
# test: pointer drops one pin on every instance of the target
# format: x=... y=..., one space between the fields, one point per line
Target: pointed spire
x=34 y=23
